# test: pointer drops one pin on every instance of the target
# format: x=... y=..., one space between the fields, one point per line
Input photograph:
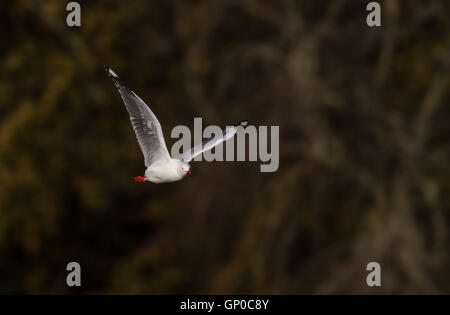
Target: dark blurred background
x=364 y=147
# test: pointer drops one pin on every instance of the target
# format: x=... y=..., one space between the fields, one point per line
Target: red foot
x=139 y=179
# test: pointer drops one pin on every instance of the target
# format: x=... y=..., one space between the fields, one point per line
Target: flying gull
x=161 y=167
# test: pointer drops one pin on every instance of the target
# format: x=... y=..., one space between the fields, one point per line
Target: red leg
x=139 y=179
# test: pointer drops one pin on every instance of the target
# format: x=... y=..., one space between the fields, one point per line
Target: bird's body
x=166 y=171
x=161 y=167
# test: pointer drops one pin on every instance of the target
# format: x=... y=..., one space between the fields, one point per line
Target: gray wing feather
x=210 y=143
x=145 y=124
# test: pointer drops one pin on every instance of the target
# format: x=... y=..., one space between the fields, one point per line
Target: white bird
x=161 y=167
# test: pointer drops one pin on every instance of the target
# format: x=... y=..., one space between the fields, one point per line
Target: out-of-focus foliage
x=364 y=147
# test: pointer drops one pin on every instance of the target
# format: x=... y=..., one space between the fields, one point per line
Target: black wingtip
x=242 y=123
x=111 y=73
x=117 y=81
x=113 y=76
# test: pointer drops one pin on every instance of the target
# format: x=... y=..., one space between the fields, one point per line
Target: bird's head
x=184 y=168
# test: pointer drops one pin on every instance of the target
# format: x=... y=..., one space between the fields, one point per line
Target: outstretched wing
x=210 y=143
x=145 y=124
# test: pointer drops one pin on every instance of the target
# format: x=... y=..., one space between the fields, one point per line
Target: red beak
x=189 y=172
